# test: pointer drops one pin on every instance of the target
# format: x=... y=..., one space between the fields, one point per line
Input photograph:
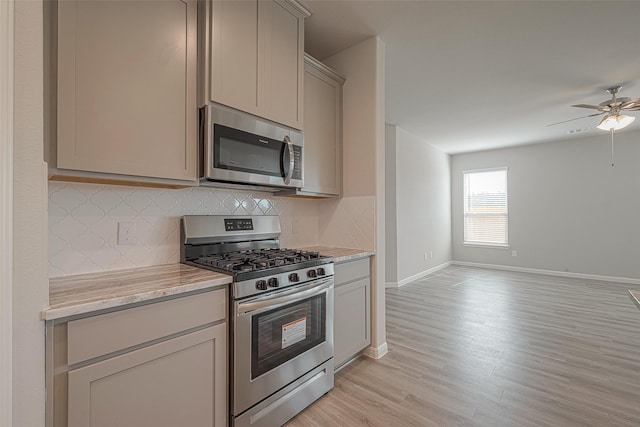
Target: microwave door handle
x=206 y=142
x=289 y=172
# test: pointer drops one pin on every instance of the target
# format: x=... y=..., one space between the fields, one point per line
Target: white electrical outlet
x=126 y=233
x=425 y=256
x=430 y=254
x=514 y=253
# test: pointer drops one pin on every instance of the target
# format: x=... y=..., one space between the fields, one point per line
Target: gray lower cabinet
x=162 y=364
x=352 y=315
x=171 y=383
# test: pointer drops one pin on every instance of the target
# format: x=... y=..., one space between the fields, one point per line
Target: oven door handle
x=288 y=297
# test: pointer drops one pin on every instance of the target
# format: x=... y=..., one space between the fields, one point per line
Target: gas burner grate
x=258 y=259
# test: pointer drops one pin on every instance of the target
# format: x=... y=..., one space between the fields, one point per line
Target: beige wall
x=30 y=286
x=419 y=176
x=6 y=212
x=570 y=211
x=357 y=219
x=391 y=219
x=379 y=329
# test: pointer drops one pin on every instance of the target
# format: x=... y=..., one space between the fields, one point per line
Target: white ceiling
x=476 y=75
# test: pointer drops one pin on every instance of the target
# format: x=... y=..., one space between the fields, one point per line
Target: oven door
x=278 y=338
x=244 y=149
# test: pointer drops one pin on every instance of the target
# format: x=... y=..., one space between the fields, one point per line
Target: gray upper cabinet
x=126 y=91
x=255 y=54
x=322 y=132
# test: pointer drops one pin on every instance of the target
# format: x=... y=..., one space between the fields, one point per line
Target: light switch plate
x=126 y=233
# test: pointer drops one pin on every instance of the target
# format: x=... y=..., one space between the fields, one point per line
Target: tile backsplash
x=83 y=222
x=348 y=222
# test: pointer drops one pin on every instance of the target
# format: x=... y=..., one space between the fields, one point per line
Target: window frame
x=472 y=243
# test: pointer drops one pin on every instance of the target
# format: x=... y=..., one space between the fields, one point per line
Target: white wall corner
x=30 y=244
x=363 y=65
x=379 y=333
x=422 y=274
x=376 y=352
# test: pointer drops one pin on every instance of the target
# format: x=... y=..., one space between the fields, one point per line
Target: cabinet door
x=127 y=88
x=351 y=319
x=234 y=55
x=323 y=132
x=179 y=382
x=282 y=29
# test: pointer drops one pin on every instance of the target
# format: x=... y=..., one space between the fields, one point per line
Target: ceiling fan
x=613 y=120
x=612 y=108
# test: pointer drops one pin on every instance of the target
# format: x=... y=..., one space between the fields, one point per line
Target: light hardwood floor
x=470 y=346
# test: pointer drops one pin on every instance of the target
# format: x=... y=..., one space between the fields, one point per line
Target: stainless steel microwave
x=240 y=148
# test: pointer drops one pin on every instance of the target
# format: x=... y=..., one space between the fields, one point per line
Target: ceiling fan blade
x=577 y=118
x=632 y=105
x=595 y=107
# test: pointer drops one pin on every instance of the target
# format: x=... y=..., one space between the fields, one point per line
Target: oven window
x=281 y=334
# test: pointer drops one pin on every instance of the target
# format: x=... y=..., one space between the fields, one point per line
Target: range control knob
x=273 y=282
x=293 y=277
x=321 y=271
x=311 y=273
x=261 y=285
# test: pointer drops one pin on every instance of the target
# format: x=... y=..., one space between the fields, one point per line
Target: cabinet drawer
x=351 y=270
x=98 y=335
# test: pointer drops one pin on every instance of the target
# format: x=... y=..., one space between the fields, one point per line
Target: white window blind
x=485 y=207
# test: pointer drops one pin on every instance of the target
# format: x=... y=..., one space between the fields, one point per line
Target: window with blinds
x=485 y=207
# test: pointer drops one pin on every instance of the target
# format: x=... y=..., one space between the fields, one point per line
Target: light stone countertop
x=84 y=293
x=340 y=254
x=635 y=297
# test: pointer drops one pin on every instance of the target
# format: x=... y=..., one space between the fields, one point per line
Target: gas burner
x=257 y=259
x=246 y=248
x=256 y=262
x=247 y=266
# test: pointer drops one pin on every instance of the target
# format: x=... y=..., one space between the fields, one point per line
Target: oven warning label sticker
x=294 y=332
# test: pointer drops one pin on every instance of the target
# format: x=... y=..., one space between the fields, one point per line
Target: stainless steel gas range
x=281 y=315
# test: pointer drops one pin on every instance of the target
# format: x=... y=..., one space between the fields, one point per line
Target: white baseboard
x=417 y=276
x=550 y=272
x=376 y=352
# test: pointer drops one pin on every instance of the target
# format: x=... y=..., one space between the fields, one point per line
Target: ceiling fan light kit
x=615 y=122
